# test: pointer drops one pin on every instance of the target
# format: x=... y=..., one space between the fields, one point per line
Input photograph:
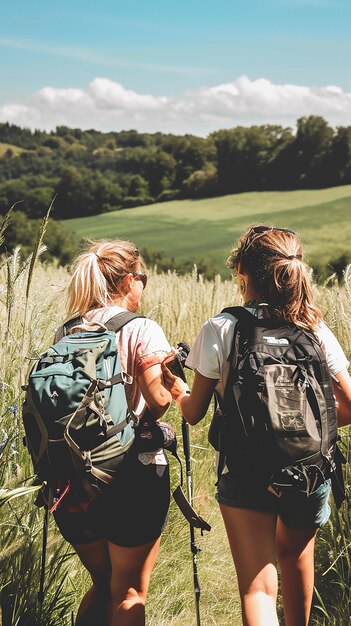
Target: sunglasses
x=257 y=231
x=267 y=229
x=140 y=276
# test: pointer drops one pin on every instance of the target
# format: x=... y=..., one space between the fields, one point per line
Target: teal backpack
x=77 y=423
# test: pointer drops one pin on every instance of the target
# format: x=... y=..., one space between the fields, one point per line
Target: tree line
x=92 y=172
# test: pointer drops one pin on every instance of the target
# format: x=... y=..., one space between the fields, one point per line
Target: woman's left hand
x=175 y=385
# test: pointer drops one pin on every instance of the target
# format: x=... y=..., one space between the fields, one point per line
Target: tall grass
x=28 y=320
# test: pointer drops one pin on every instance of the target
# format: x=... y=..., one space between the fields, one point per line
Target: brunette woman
x=261 y=527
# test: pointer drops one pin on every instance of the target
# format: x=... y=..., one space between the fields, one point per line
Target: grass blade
x=5 y=224
x=37 y=247
x=9 y=494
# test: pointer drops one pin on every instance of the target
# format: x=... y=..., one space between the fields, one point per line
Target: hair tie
x=281 y=255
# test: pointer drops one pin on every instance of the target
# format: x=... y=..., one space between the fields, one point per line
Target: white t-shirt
x=141 y=344
x=209 y=355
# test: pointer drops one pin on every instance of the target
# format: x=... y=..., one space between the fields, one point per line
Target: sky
x=186 y=66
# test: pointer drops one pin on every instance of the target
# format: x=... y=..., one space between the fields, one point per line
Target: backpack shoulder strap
x=121 y=319
x=231 y=392
x=249 y=320
x=63 y=330
x=241 y=314
x=114 y=324
x=245 y=320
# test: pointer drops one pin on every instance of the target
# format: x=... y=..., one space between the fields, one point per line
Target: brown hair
x=98 y=272
x=273 y=259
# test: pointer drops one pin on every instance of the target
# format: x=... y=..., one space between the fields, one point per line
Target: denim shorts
x=296 y=509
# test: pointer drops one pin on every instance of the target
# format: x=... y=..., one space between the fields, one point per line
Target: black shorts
x=131 y=512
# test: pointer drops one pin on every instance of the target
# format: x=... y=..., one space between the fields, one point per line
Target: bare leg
x=95 y=607
x=295 y=551
x=251 y=536
x=131 y=572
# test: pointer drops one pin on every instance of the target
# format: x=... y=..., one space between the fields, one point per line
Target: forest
x=93 y=172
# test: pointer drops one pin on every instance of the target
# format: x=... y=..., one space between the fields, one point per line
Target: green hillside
x=205 y=229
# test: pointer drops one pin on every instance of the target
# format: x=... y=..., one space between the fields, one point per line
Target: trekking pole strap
x=195 y=520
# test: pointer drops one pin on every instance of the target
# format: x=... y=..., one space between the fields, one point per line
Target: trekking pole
x=176 y=366
x=194 y=548
x=189 y=483
x=43 y=554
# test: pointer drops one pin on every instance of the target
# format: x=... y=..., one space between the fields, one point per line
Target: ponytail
x=273 y=259
x=98 y=274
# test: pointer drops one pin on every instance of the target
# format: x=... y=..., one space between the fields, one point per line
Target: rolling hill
x=190 y=230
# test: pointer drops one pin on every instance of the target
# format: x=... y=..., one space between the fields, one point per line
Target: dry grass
x=180 y=305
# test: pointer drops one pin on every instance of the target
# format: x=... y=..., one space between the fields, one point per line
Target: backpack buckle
x=127 y=378
x=87 y=461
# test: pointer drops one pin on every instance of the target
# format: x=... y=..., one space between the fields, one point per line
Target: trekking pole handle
x=184 y=350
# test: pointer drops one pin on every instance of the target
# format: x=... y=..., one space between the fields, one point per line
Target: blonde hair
x=98 y=272
x=273 y=259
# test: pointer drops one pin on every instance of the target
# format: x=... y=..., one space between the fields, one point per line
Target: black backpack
x=77 y=422
x=278 y=417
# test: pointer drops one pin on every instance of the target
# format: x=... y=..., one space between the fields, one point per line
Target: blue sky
x=52 y=54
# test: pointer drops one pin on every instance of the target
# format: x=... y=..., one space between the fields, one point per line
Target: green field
x=206 y=229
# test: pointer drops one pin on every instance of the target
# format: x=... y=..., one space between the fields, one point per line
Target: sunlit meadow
x=29 y=314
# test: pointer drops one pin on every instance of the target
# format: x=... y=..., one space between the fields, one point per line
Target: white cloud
x=107 y=105
x=112 y=96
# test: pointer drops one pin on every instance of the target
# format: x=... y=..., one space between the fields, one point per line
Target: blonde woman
x=117 y=536
x=260 y=526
